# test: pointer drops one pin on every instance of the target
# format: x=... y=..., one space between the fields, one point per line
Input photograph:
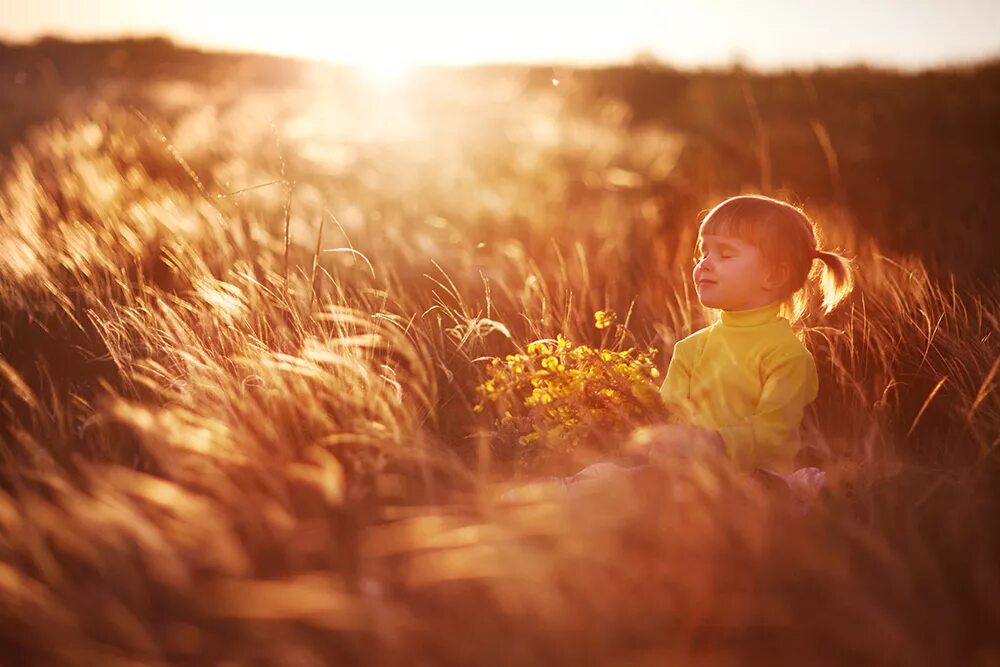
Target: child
x=740 y=386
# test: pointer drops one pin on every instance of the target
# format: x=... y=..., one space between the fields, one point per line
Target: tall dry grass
x=238 y=420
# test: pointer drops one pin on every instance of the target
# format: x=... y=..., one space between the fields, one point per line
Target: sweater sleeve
x=674 y=389
x=767 y=438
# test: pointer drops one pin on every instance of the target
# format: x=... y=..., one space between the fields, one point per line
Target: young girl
x=741 y=385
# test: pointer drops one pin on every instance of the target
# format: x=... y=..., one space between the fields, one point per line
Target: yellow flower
x=538 y=347
x=604 y=319
x=560 y=393
x=538 y=396
x=551 y=364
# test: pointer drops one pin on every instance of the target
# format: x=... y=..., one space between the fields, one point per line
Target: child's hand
x=674 y=442
x=671 y=442
x=641 y=440
x=710 y=439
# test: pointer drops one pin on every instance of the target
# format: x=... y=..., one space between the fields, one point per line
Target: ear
x=778 y=275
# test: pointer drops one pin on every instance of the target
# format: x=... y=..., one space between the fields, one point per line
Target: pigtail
x=837 y=280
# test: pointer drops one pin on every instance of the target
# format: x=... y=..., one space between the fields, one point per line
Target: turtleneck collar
x=753 y=317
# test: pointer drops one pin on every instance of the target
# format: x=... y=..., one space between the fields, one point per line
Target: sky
x=388 y=34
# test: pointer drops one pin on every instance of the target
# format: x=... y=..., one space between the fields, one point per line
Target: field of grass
x=245 y=303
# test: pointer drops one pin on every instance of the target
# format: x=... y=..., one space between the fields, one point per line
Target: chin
x=709 y=302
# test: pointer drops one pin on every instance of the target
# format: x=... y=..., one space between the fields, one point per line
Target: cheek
x=728 y=267
x=733 y=272
x=752 y=273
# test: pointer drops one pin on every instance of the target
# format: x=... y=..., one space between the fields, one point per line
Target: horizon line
x=640 y=58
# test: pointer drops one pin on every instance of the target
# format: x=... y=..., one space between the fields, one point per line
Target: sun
x=384 y=73
x=384 y=63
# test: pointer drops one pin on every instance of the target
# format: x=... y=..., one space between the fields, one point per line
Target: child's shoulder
x=692 y=342
x=695 y=336
x=778 y=340
x=785 y=347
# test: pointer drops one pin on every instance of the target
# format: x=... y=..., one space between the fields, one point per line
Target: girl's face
x=731 y=274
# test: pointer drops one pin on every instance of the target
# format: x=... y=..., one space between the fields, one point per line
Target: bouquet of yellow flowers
x=556 y=395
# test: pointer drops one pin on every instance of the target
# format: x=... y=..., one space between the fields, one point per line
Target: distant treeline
x=64 y=61
x=914 y=155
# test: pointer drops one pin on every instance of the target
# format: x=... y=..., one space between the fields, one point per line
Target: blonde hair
x=784 y=234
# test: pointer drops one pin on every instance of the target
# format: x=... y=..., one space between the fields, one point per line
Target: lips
x=703 y=282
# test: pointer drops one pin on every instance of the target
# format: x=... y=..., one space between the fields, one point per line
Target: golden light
x=382 y=52
x=384 y=72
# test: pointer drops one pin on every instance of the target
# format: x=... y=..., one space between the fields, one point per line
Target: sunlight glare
x=384 y=73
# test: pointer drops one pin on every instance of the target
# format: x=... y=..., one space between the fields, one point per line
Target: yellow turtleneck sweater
x=748 y=377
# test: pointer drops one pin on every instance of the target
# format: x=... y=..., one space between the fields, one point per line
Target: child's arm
x=675 y=385
x=674 y=434
x=765 y=440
